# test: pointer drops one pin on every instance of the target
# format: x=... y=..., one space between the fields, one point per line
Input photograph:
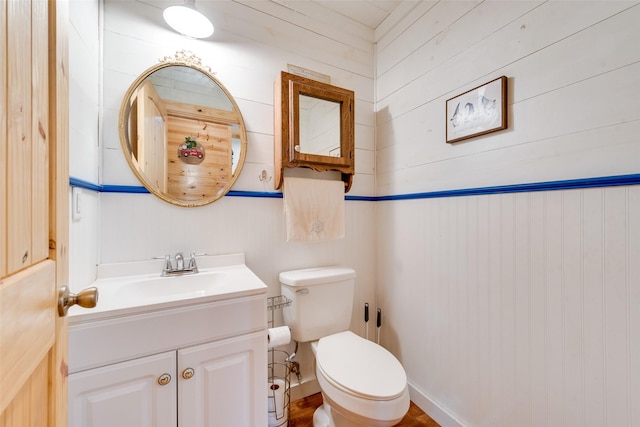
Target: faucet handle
x=192 y=262
x=167 y=262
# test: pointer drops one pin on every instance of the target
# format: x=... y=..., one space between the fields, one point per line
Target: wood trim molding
x=59 y=195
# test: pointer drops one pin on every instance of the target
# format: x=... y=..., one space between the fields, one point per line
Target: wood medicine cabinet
x=313 y=128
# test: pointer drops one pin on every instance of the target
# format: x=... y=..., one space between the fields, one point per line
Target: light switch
x=76 y=204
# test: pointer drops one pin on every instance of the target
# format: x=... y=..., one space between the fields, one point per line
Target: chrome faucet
x=179 y=261
x=169 y=270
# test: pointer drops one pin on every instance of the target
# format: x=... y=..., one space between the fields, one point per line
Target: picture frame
x=478 y=111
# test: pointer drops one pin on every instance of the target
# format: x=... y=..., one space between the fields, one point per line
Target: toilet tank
x=322 y=301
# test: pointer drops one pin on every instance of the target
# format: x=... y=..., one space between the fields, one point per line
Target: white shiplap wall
x=574 y=86
x=514 y=309
x=248 y=50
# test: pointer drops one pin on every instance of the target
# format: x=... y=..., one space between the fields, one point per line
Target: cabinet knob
x=164 y=379
x=187 y=373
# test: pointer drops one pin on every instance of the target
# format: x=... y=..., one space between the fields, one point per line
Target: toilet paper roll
x=276 y=397
x=278 y=336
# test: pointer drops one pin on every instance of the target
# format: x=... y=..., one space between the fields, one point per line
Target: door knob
x=87 y=298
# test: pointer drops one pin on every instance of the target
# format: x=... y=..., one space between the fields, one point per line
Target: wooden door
x=33 y=211
x=152 y=136
x=140 y=392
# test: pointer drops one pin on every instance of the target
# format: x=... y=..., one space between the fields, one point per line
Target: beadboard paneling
x=137 y=227
x=528 y=301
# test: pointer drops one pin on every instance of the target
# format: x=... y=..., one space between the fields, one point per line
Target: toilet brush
x=378 y=324
x=366 y=320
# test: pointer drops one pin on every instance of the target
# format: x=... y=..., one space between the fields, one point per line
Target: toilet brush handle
x=378 y=325
x=366 y=320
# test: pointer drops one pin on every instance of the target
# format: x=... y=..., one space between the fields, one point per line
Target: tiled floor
x=301 y=414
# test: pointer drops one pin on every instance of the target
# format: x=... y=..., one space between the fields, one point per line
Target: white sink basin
x=138 y=287
x=185 y=286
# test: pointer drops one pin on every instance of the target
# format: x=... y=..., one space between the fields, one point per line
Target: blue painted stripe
x=77 y=182
x=605 y=181
x=135 y=189
x=262 y=194
x=361 y=198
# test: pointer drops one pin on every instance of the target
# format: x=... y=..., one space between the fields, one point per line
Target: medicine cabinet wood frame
x=287 y=91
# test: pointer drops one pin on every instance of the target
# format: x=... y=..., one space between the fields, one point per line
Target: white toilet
x=362 y=383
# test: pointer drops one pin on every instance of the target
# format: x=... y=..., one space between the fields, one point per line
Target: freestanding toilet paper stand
x=279 y=370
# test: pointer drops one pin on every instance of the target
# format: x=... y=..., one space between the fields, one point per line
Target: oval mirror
x=182 y=132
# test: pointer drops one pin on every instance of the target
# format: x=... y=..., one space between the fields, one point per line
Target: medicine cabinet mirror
x=182 y=132
x=314 y=127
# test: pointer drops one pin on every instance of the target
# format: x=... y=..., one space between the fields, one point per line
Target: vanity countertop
x=132 y=288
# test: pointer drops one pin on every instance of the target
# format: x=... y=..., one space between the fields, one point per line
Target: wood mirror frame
x=202 y=110
x=287 y=91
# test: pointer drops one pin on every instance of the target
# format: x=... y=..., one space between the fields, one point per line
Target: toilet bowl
x=362 y=383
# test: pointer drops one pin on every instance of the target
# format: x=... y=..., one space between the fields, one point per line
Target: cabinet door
x=125 y=394
x=228 y=386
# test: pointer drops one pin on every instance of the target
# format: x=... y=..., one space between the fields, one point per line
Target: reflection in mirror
x=182 y=132
x=319 y=127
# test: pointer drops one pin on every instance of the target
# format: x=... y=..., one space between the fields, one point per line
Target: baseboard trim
x=304 y=389
x=424 y=402
x=432 y=408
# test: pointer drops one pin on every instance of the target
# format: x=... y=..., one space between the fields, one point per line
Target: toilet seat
x=360 y=368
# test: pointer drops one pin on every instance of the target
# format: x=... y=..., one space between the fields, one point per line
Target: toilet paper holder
x=279 y=373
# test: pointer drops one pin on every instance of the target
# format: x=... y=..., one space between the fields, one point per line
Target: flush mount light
x=188 y=21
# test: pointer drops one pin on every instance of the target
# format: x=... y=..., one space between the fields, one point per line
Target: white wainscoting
x=137 y=227
x=516 y=309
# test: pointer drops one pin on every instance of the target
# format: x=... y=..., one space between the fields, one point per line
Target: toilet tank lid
x=316 y=276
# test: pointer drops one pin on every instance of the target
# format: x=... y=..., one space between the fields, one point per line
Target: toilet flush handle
x=304 y=291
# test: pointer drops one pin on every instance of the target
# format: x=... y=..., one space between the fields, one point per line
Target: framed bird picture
x=478 y=111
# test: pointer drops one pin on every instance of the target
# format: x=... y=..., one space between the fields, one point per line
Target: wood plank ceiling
x=369 y=13
x=345 y=16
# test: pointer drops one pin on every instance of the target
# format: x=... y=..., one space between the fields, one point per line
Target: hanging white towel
x=314 y=209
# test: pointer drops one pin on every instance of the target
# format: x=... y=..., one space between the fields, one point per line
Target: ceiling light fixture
x=188 y=21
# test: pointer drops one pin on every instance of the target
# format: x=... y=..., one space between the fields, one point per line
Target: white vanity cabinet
x=217 y=384
x=191 y=365
x=125 y=394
